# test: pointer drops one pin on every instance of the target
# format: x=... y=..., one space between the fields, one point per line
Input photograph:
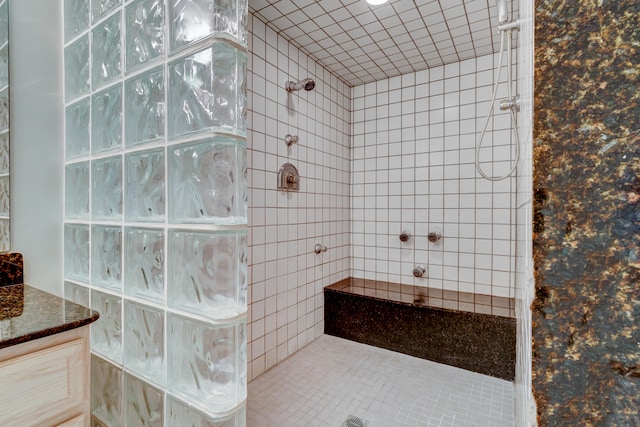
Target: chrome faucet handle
x=290 y=139
x=405 y=236
x=319 y=248
x=434 y=236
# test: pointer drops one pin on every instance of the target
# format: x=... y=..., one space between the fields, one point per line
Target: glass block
x=144 y=188
x=4 y=66
x=76 y=191
x=243 y=16
x=76 y=293
x=204 y=362
x=106 y=120
x=76 y=252
x=101 y=8
x=106 y=196
x=204 y=89
x=76 y=17
x=4 y=109
x=207 y=273
x=76 y=68
x=5 y=240
x=144 y=341
x=4 y=152
x=181 y=415
x=106 y=332
x=145 y=32
x=144 y=404
x=4 y=23
x=144 y=107
x=97 y=423
x=106 y=392
x=106 y=51
x=144 y=263
x=77 y=129
x=4 y=196
x=106 y=256
x=207 y=182
x=193 y=20
x=241 y=94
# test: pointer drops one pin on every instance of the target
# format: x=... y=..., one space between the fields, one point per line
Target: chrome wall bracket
x=512 y=104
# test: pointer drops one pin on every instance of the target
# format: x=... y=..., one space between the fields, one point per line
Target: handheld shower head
x=306 y=84
x=503 y=11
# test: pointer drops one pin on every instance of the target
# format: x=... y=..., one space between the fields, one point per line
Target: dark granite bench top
x=27 y=313
x=426 y=297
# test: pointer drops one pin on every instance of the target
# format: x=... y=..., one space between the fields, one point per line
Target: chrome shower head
x=306 y=84
x=503 y=11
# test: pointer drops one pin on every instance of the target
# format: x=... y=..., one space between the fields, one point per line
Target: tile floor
x=332 y=378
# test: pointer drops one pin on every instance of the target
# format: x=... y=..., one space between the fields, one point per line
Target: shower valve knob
x=319 y=248
x=291 y=178
x=419 y=270
x=434 y=236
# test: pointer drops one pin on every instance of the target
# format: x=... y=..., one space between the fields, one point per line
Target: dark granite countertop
x=37 y=314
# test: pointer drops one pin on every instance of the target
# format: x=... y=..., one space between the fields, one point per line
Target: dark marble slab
x=11 y=267
x=477 y=342
x=586 y=316
x=43 y=314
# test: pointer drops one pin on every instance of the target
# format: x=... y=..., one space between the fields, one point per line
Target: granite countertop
x=29 y=313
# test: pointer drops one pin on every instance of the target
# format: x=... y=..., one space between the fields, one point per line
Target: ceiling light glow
x=376 y=2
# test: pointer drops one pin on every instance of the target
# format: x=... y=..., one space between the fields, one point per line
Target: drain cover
x=353 y=421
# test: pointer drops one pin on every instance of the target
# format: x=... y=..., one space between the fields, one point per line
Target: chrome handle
x=290 y=139
x=290 y=178
x=434 y=236
x=319 y=248
x=405 y=236
x=419 y=270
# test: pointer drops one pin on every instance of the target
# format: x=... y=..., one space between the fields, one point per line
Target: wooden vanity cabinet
x=45 y=382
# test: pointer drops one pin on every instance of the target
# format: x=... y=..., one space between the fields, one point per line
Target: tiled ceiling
x=361 y=43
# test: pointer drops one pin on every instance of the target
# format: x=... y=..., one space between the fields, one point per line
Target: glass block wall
x=155 y=225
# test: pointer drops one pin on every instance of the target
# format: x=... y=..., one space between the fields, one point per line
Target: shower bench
x=372 y=312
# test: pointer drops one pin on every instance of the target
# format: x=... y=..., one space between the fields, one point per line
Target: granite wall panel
x=586 y=237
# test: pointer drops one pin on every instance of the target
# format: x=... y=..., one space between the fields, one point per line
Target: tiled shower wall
x=413 y=169
x=155 y=232
x=286 y=276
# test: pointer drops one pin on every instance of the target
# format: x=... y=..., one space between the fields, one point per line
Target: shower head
x=503 y=11
x=306 y=84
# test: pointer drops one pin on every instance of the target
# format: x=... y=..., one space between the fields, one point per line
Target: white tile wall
x=374 y=159
x=286 y=276
x=413 y=169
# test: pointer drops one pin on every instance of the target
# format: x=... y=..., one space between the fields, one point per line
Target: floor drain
x=353 y=421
